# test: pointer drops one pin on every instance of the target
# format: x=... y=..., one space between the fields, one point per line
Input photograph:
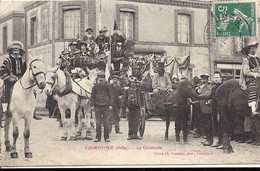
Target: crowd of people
x=108 y=98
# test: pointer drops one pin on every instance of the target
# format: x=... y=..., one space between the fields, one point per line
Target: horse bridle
x=34 y=75
x=54 y=80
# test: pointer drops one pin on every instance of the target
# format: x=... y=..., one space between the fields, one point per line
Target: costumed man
x=137 y=73
x=117 y=57
x=217 y=78
x=92 y=47
x=249 y=80
x=161 y=83
x=206 y=109
x=102 y=40
x=134 y=102
x=183 y=92
x=117 y=41
x=73 y=48
x=114 y=114
x=102 y=101
x=13 y=69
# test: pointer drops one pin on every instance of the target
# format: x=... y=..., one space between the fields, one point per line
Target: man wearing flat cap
x=13 y=68
x=206 y=109
x=134 y=102
x=114 y=113
x=102 y=102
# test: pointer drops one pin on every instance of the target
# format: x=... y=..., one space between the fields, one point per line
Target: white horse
x=72 y=95
x=23 y=103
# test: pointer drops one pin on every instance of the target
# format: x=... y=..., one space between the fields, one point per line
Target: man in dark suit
x=102 y=102
x=114 y=114
x=217 y=78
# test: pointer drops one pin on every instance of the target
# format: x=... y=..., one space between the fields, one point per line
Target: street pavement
x=49 y=150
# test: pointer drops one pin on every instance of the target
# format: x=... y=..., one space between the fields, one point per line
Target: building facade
x=12 y=27
x=178 y=27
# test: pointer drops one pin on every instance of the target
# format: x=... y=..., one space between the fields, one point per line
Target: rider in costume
x=13 y=69
x=249 y=74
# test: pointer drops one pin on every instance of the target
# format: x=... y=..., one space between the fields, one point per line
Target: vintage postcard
x=129 y=83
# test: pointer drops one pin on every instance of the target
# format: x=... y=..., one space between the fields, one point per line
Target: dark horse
x=232 y=101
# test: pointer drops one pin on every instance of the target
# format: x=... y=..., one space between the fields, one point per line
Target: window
x=183 y=28
x=71 y=20
x=4 y=39
x=33 y=30
x=44 y=24
x=127 y=24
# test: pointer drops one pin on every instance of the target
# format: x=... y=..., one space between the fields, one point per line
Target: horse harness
x=34 y=75
x=68 y=88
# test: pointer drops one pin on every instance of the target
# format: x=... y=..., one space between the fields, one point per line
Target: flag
x=108 y=64
x=99 y=21
x=151 y=65
x=185 y=62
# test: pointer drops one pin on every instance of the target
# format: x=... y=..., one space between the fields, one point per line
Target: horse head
x=37 y=70
x=51 y=80
x=92 y=74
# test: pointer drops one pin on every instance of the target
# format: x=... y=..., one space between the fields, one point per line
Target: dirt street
x=49 y=150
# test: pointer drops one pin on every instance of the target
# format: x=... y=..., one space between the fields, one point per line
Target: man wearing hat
x=161 y=82
x=134 y=102
x=102 y=40
x=88 y=34
x=117 y=57
x=73 y=48
x=13 y=68
x=102 y=101
x=249 y=80
x=206 y=109
x=250 y=73
x=118 y=95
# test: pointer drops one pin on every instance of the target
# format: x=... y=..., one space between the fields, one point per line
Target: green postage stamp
x=235 y=19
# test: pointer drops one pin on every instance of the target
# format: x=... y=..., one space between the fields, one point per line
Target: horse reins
x=34 y=75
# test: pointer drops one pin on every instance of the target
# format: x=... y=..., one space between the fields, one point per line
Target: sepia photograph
x=129 y=83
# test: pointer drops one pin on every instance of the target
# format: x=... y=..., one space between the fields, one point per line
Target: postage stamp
x=236 y=19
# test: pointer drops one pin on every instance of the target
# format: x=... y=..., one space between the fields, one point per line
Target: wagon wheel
x=142 y=123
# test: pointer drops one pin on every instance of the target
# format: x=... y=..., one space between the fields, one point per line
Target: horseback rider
x=250 y=73
x=12 y=70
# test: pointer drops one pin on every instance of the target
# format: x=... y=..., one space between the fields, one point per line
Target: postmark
x=235 y=19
